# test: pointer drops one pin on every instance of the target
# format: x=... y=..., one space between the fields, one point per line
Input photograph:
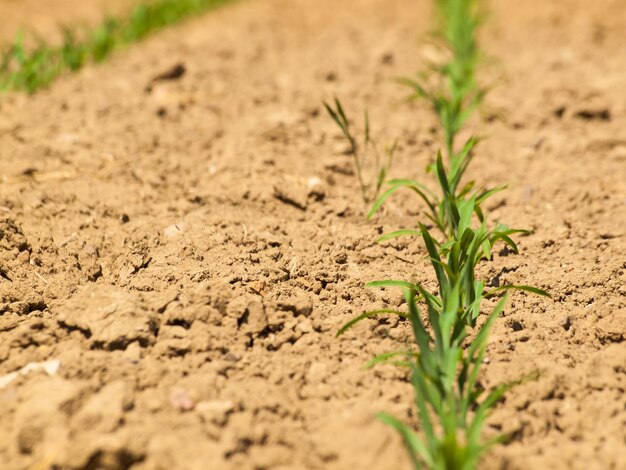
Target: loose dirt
x=187 y=251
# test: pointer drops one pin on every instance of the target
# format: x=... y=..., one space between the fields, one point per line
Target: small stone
x=313 y=181
x=249 y=312
x=341 y=258
x=24 y=257
x=317 y=192
x=104 y=411
x=258 y=287
x=232 y=357
x=299 y=304
x=216 y=411
x=292 y=193
x=317 y=372
x=304 y=326
x=174 y=230
x=180 y=400
x=133 y=352
x=566 y=322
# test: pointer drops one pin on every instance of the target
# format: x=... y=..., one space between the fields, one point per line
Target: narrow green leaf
x=398 y=233
x=342 y=114
x=422 y=191
x=392 y=283
x=506 y=239
x=434 y=254
x=482 y=197
x=426 y=393
x=369 y=314
x=387 y=357
x=414 y=445
x=333 y=115
x=486 y=247
x=419 y=331
x=433 y=317
x=411 y=183
x=466 y=209
x=531 y=289
x=420 y=91
x=381 y=200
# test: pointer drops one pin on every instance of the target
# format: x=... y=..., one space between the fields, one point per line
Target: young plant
x=379 y=166
x=445 y=367
x=445 y=363
x=444 y=374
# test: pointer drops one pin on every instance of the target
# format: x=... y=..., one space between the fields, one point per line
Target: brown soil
x=187 y=254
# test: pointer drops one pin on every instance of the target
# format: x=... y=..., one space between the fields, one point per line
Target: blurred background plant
x=29 y=63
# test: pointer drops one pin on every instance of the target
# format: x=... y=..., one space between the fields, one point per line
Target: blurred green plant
x=371 y=172
x=452 y=90
x=450 y=86
x=30 y=63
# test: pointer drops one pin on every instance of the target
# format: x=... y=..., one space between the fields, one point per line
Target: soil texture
x=176 y=255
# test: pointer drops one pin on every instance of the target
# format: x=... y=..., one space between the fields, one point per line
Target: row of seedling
x=30 y=63
x=450 y=326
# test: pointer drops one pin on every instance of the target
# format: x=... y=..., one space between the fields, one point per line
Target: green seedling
x=29 y=69
x=452 y=409
x=378 y=164
x=445 y=367
x=450 y=338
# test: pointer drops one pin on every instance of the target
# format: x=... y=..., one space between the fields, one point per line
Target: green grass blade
x=381 y=200
x=369 y=314
x=466 y=210
x=386 y=358
x=414 y=446
x=334 y=116
x=397 y=234
x=531 y=289
x=422 y=337
x=506 y=239
x=392 y=283
x=482 y=197
x=421 y=190
x=434 y=255
x=342 y=114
